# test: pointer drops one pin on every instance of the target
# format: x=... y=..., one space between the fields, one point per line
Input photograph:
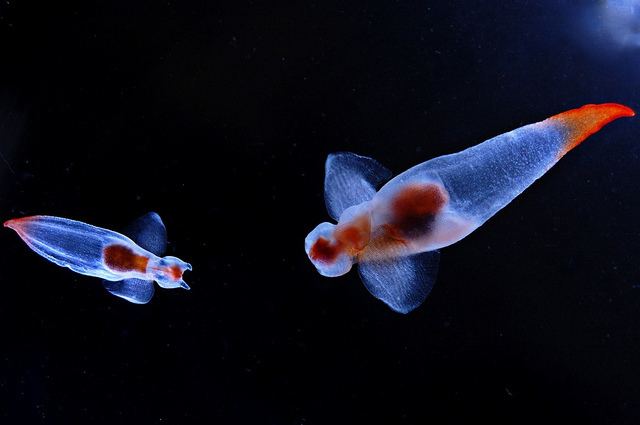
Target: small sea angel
x=128 y=266
x=394 y=234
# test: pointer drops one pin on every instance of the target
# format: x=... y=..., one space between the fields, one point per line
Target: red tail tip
x=582 y=122
x=16 y=221
x=617 y=110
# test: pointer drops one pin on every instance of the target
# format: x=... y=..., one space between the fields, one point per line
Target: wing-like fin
x=137 y=291
x=148 y=232
x=351 y=179
x=402 y=283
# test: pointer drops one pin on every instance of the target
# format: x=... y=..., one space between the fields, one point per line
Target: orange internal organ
x=412 y=211
x=414 y=208
x=351 y=237
x=355 y=234
x=123 y=259
x=176 y=272
x=324 y=251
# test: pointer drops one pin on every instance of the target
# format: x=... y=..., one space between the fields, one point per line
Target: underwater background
x=219 y=116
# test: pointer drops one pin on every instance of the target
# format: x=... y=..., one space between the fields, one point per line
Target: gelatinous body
x=128 y=266
x=395 y=233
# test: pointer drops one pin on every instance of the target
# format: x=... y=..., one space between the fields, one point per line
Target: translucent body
x=102 y=253
x=394 y=232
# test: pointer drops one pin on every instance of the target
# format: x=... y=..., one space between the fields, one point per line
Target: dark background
x=219 y=116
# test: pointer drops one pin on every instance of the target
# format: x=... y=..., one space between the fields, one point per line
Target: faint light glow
x=621 y=21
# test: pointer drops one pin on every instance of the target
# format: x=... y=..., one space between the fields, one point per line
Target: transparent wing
x=402 y=283
x=351 y=179
x=149 y=233
x=137 y=291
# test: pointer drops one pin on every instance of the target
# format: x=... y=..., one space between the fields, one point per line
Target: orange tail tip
x=14 y=222
x=582 y=122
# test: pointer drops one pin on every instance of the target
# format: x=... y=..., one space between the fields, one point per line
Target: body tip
x=616 y=110
x=13 y=223
x=582 y=122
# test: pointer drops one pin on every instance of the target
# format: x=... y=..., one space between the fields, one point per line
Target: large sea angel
x=128 y=266
x=394 y=234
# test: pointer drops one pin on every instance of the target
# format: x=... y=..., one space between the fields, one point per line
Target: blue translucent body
x=394 y=233
x=82 y=248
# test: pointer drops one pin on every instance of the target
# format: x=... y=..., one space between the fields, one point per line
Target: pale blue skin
x=478 y=182
x=79 y=246
x=483 y=179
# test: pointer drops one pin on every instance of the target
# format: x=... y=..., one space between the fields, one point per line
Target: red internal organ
x=123 y=259
x=324 y=251
x=414 y=208
x=176 y=272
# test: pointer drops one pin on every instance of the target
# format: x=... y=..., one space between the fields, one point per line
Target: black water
x=219 y=115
